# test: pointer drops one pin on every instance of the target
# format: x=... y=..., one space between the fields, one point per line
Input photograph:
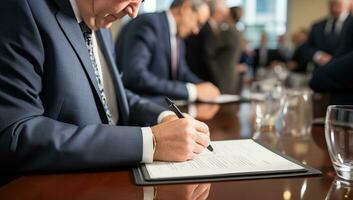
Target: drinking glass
x=339 y=139
x=298 y=112
x=270 y=95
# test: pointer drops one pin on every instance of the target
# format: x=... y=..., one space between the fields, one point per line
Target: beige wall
x=302 y=13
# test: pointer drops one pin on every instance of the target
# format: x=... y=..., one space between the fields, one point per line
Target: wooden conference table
x=230 y=121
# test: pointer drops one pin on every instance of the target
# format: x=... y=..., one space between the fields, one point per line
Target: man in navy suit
x=335 y=78
x=326 y=35
x=63 y=105
x=151 y=53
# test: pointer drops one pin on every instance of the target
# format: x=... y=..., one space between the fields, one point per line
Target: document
x=224 y=98
x=229 y=158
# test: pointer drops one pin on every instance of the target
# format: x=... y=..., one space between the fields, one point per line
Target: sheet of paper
x=229 y=157
x=224 y=98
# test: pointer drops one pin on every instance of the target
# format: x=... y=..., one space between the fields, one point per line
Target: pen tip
x=210 y=148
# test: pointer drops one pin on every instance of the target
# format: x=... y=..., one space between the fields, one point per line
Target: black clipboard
x=141 y=176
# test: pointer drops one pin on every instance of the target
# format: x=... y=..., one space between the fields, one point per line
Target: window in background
x=260 y=16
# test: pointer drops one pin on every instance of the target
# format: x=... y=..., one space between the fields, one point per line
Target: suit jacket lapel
x=119 y=87
x=166 y=39
x=71 y=29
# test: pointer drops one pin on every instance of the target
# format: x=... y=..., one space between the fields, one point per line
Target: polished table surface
x=231 y=121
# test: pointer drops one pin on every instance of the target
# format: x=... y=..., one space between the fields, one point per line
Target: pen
x=180 y=115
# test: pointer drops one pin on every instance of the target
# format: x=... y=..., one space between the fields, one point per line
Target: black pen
x=176 y=110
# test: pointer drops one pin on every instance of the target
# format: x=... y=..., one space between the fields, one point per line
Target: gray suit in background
x=213 y=55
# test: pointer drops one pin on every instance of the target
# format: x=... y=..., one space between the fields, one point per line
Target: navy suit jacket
x=319 y=40
x=51 y=115
x=144 y=56
x=335 y=78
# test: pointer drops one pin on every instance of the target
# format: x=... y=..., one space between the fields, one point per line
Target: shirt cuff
x=192 y=91
x=317 y=56
x=163 y=115
x=147 y=148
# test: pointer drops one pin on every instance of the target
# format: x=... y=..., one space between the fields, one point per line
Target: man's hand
x=206 y=111
x=180 y=140
x=323 y=59
x=207 y=91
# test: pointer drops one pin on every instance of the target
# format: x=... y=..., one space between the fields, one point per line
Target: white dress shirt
x=108 y=86
x=191 y=88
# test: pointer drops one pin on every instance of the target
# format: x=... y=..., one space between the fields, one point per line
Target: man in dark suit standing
x=151 y=53
x=63 y=105
x=325 y=36
x=335 y=78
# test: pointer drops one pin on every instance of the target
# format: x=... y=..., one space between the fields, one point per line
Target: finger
x=192 y=156
x=200 y=191
x=201 y=127
x=204 y=195
x=199 y=148
x=200 y=138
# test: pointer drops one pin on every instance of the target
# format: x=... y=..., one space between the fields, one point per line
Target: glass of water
x=339 y=139
x=270 y=104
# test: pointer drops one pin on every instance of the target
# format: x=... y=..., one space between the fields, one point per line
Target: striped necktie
x=87 y=34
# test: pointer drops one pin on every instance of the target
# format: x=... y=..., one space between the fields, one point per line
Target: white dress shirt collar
x=339 y=23
x=76 y=11
x=172 y=23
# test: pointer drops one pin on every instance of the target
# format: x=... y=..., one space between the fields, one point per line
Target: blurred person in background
x=264 y=56
x=326 y=35
x=214 y=53
x=151 y=53
x=335 y=78
x=298 y=63
x=283 y=50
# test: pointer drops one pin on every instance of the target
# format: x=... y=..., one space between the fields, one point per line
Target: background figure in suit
x=63 y=104
x=335 y=77
x=284 y=51
x=325 y=36
x=298 y=62
x=151 y=53
x=214 y=53
x=264 y=56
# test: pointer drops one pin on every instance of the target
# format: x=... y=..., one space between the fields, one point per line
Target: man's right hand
x=180 y=140
x=207 y=91
x=323 y=59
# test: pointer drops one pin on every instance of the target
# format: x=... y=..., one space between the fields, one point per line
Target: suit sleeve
x=31 y=141
x=142 y=111
x=137 y=76
x=335 y=77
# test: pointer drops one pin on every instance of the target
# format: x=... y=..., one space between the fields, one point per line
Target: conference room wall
x=302 y=13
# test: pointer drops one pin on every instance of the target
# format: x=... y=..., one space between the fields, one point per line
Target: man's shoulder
x=153 y=18
x=321 y=23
